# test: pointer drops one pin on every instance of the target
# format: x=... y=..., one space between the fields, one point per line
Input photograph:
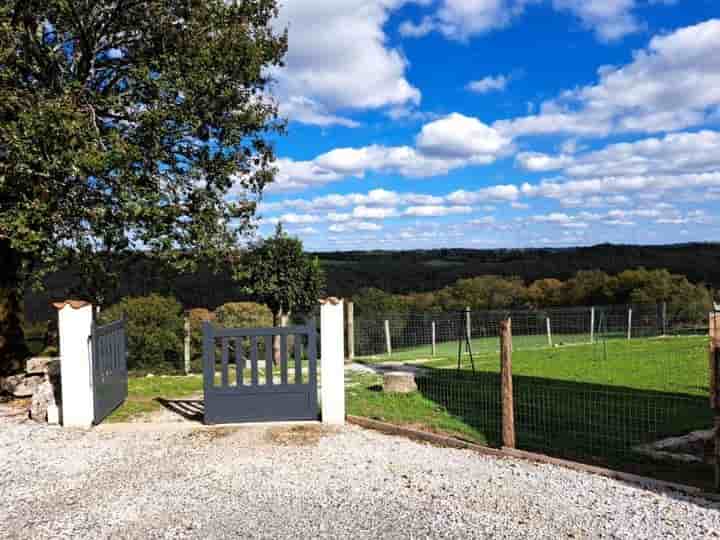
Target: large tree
x=125 y=124
x=278 y=273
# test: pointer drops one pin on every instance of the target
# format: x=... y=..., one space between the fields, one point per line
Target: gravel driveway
x=305 y=482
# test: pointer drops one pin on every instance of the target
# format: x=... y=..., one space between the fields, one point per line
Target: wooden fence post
x=350 y=325
x=508 y=408
x=629 y=335
x=388 y=341
x=434 y=346
x=714 y=349
x=592 y=325
x=187 y=344
x=468 y=323
x=549 y=331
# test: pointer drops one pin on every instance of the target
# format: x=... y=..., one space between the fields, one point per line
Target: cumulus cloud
x=675 y=153
x=437 y=210
x=672 y=84
x=461 y=137
x=339 y=59
x=609 y=19
x=488 y=84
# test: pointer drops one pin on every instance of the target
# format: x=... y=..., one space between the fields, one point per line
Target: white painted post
x=549 y=331
x=592 y=325
x=75 y=327
x=332 y=364
x=388 y=340
x=434 y=346
x=629 y=336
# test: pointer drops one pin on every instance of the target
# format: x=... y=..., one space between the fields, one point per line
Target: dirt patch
x=211 y=435
x=295 y=435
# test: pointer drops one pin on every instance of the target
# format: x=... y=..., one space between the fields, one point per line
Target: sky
x=419 y=124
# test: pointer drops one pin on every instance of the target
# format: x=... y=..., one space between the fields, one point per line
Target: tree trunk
x=13 y=351
x=280 y=318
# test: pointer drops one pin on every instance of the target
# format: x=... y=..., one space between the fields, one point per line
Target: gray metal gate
x=109 y=368
x=287 y=389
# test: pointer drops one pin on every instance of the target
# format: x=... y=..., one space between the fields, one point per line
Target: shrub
x=155 y=331
x=197 y=317
x=244 y=315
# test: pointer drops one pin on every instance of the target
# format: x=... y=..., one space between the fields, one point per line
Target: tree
x=124 y=124
x=278 y=273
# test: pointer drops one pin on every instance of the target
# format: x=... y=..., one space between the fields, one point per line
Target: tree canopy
x=127 y=124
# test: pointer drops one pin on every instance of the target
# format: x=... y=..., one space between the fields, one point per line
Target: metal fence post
x=508 y=407
x=592 y=325
x=434 y=346
x=468 y=323
x=549 y=331
x=629 y=332
x=388 y=340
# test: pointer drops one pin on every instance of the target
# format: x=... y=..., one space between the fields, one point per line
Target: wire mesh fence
x=617 y=386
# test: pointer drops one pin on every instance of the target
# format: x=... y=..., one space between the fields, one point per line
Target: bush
x=244 y=315
x=155 y=331
x=197 y=317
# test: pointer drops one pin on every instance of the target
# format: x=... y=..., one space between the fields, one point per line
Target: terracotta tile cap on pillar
x=75 y=304
x=331 y=300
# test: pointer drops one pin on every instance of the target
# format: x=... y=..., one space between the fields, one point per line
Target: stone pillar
x=332 y=364
x=75 y=327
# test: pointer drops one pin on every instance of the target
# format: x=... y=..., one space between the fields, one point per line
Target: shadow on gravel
x=190 y=409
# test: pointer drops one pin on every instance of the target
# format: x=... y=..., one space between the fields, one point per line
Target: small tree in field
x=278 y=273
x=124 y=125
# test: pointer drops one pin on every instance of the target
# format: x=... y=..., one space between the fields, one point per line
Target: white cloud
x=488 y=84
x=353 y=226
x=500 y=193
x=370 y=212
x=436 y=210
x=461 y=137
x=609 y=19
x=676 y=153
x=295 y=219
x=339 y=59
x=672 y=84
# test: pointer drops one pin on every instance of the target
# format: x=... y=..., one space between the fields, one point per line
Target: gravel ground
x=304 y=482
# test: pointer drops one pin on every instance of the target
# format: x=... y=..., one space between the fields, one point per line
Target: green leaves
x=278 y=273
x=123 y=125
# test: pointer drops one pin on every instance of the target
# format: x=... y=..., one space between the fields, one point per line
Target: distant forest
x=401 y=272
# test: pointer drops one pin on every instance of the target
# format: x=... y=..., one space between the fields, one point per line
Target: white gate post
x=332 y=363
x=75 y=320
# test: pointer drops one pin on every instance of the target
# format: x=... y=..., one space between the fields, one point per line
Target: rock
x=400 y=382
x=40 y=402
x=53 y=368
x=39 y=365
x=11 y=382
x=27 y=387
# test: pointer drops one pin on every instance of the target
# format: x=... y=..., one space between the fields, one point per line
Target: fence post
x=664 y=318
x=434 y=346
x=350 y=332
x=187 y=344
x=388 y=341
x=508 y=408
x=714 y=334
x=629 y=336
x=75 y=321
x=549 y=331
x=592 y=325
x=468 y=323
x=332 y=364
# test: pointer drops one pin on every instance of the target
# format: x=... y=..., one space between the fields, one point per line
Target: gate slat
x=298 y=359
x=269 y=360
x=283 y=359
x=239 y=362
x=254 y=360
x=312 y=356
x=224 y=367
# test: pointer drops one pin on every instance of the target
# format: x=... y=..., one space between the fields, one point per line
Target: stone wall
x=41 y=382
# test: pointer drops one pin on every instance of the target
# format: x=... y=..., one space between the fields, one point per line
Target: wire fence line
x=394 y=334
x=617 y=386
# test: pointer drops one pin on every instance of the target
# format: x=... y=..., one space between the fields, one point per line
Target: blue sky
x=498 y=123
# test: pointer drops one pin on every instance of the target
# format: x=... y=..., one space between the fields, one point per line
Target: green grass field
x=587 y=402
